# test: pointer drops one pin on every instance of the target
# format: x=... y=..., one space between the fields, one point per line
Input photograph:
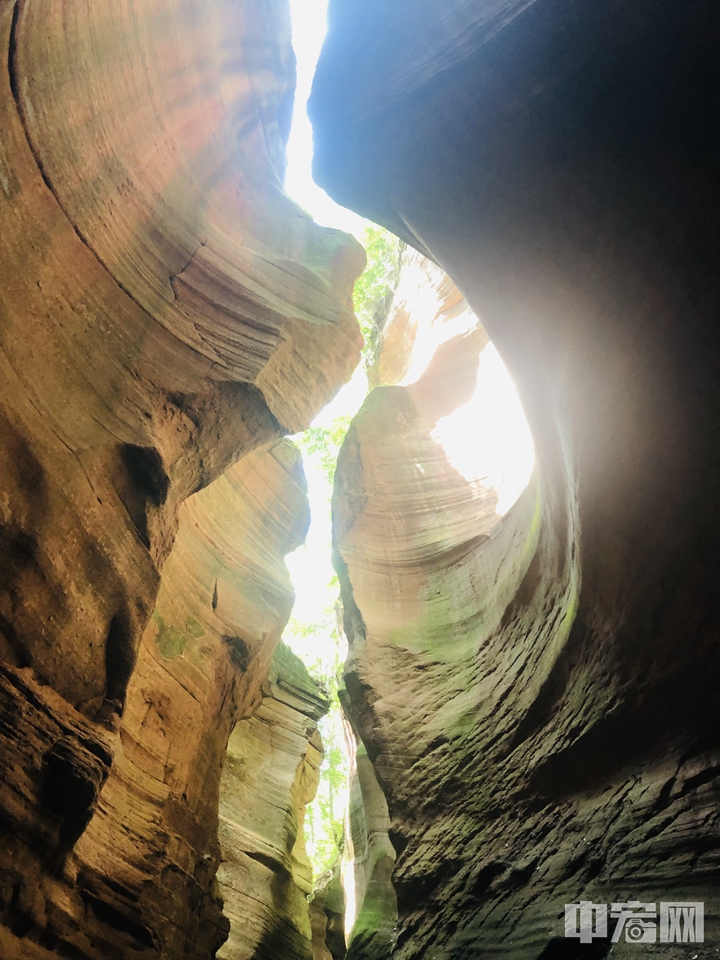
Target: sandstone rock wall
x=146 y=246
x=165 y=310
x=129 y=820
x=539 y=705
x=270 y=773
x=426 y=310
x=368 y=860
x=327 y=917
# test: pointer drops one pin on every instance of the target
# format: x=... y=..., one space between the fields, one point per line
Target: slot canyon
x=531 y=694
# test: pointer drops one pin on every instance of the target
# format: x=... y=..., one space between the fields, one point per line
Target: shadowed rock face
x=540 y=706
x=327 y=918
x=114 y=842
x=166 y=314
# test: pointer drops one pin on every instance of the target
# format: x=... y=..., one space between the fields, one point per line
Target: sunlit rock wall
x=270 y=774
x=165 y=307
x=165 y=310
x=539 y=702
x=426 y=309
x=409 y=493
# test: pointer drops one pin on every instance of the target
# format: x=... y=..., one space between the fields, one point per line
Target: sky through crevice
x=488 y=437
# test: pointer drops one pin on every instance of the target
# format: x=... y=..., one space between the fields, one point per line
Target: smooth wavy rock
x=368 y=859
x=327 y=917
x=165 y=307
x=426 y=311
x=540 y=706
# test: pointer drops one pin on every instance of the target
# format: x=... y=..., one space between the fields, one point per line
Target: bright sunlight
x=501 y=454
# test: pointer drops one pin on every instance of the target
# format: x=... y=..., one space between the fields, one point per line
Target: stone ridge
x=368 y=861
x=117 y=407
x=327 y=917
x=129 y=819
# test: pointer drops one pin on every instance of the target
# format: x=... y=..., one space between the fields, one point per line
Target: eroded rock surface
x=165 y=311
x=327 y=917
x=129 y=821
x=165 y=307
x=270 y=774
x=540 y=705
x=368 y=860
x=426 y=309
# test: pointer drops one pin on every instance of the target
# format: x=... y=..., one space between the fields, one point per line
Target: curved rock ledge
x=165 y=307
x=115 y=848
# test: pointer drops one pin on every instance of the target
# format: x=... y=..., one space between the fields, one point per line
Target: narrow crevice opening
x=407 y=309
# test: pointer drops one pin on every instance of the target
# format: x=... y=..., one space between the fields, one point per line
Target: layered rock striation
x=538 y=700
x=328 y=917
x=370 y=914
x=146 y=241
x=129 y=820
x=270 y=773
x=166 y=314
x=425 y=309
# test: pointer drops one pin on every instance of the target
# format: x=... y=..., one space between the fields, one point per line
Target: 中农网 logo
x=636 y=922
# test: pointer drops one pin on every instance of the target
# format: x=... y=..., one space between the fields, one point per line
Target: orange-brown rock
x=129 y=821
x=165 y=310
x=165 y=307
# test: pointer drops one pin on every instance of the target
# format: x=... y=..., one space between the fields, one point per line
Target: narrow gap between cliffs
x=486 y=438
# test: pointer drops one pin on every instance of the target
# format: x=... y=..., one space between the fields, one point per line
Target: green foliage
x=324 y=816
x=323 y=443
x=318 y=642
x=374 y=287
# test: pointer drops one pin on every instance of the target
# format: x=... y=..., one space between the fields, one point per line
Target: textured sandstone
x=129 y=822
x=165 y=310
x=368 y=860
x=270 y=773
x=540 y=704
x=327 y=918
x=162 y=304
x=538 y=696
x=426 y=310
